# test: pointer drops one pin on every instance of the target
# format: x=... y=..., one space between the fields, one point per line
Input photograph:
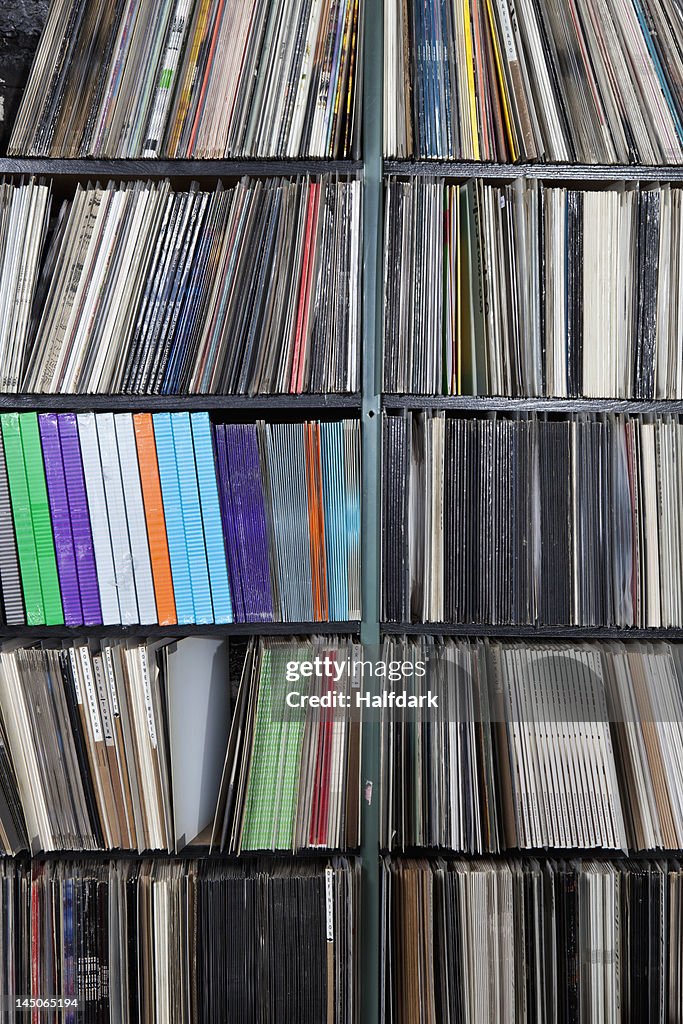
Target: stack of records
x=98 y=503
x=109 y=747
x=251 y=288
x=587 y=81
x=13 y=835
x=118 y=518
x=292 y=774
x=515 y=942
x=278 y=942
x=290 y=495
x=24 y=216
x=533 y=519
x=533 y=290
x=180 y=942
x=536 y=746
x=194 y=78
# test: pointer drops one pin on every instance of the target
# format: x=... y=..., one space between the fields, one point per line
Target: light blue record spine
x=192 y=517
x=211 y=516
x=173 y=513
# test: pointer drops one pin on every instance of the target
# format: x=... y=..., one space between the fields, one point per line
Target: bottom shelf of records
x=515 y=941
x=179 y=942
x=135 y=745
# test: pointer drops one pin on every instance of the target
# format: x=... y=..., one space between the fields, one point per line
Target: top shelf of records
x=195 y=79
x=566 y=82
x=588 y=89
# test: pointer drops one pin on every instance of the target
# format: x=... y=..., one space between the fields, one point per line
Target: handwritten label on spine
x=329 y=903
x=147 y=689
x=91 y=695
x=112 y=682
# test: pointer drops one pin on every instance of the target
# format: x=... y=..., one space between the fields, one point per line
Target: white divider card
x=198 y=689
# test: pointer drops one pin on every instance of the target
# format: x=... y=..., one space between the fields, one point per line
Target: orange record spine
x=155 y=519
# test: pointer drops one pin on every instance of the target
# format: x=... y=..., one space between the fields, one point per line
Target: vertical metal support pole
x=371 y=499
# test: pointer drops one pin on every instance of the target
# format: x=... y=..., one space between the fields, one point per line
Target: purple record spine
x=61 y=520
x=80 y=519
x=251 y=519
x=236 y=436
x=228 y=517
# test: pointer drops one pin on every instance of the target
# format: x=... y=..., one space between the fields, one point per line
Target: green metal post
x=371 y=431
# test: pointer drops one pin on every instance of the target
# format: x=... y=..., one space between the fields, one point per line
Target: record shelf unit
x=369 y=406
x=64 y=175
x=287 y=408
x=436 y=859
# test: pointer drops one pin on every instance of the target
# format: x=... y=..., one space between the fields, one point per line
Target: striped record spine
x=211 y=516
x=137 y=528
x=192 y=517
x=61 y=519
x=10 y=577
x=230 y=520
x=333 y=479
x=80 y=519
x=23 y=524
x=154 y=517
x=116 y=513
x=40 y=515
x=173 y=514
x=316 y=521
x=99 y=521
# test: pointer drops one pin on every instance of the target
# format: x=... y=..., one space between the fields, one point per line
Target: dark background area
x=21 y=22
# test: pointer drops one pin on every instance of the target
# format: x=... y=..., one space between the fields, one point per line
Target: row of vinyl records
x=523 y=942
x=488 y=942
x=119 y=518
x=194 y=78
x=139 y=745
x=518 y=289
x=135 y=287
x=531 y=746
x=590 y=81
x=557 y=746
x=532 y=519
x=533 y=289
x=180 y=942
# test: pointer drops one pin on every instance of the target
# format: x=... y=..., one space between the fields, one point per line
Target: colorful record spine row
x=127 y=519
